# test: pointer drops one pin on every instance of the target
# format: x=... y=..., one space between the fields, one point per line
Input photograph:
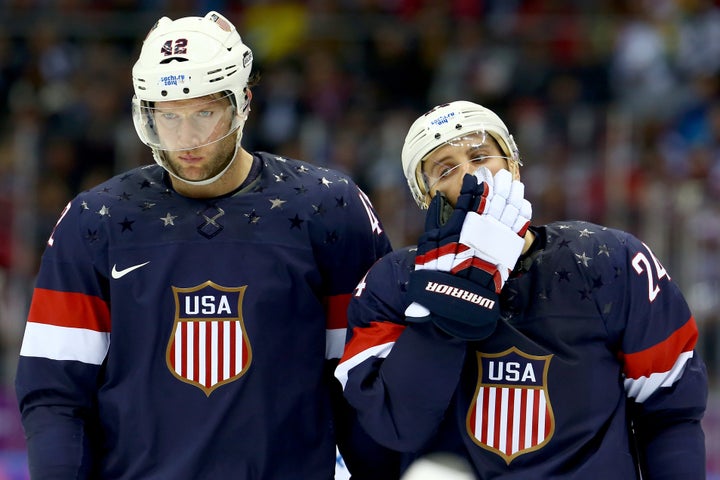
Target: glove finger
x=523 y=220
x=517 y=193
x=509 y=215
x=484 y=190
x=470 y=184
x=432 y=218
x=521 y=225
x=496 y=206
x=480 y=201
x=526 y=209
x=450 y=231
x=502 y=183
x=483 y=174
x=469 y=190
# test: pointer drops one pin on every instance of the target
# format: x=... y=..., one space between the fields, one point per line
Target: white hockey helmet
x=442 y=124
x=188 y=58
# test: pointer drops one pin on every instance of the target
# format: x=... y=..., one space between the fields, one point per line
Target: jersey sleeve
x=665 y=379
x=399 y=376
x=66 y=338
x=348 y=241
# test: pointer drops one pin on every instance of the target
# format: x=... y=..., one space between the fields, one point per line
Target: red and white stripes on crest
x=208 y=352
x=511 y=419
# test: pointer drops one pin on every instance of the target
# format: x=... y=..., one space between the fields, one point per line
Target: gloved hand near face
x=462 y=264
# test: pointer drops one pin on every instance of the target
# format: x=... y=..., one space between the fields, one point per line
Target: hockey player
x=188 y=316
x=533 y=352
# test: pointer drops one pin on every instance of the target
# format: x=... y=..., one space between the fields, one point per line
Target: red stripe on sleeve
x=336 y=310
x=378 y=333
x=661 y=357
x=68 y=309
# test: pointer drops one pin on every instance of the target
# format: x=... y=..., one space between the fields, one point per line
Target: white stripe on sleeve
x=334 y=342
x=641 y=388
x=378 y=351
x=65 y=343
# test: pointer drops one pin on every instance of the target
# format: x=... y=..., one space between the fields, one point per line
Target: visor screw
x=164 y=93
x=437 y=136
x=458 y=126
x=186 y=90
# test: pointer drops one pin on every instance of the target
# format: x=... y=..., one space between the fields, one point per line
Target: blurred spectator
x=641 y=72
x=617 y=104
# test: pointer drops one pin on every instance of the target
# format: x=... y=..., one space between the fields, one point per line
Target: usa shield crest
x=511 y=414
x=209 y=346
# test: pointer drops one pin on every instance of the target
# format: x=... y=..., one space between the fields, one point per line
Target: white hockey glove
x=495 y=226
x=457 y=281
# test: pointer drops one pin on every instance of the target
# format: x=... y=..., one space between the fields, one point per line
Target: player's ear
x=248 y=97
x=427 y=197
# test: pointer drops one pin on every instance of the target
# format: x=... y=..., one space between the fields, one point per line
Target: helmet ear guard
x=439 y=126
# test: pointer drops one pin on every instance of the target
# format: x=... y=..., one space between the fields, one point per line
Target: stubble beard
x=221 y=154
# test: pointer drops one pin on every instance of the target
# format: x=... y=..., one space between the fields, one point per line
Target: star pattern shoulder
x=581 y=262
x=295 y=188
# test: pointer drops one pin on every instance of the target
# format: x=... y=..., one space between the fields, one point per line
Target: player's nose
x=187 y=135
x=469 y=167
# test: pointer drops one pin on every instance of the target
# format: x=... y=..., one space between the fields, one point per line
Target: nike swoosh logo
x=121 y=273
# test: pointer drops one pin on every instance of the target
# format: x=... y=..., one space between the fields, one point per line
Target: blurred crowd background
x=615 y=106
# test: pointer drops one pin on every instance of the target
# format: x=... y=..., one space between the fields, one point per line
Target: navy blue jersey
x=595 y=342
x=179 y=338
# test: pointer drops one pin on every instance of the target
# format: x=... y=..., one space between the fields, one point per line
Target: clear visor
x=459 y=156
x=185 y=124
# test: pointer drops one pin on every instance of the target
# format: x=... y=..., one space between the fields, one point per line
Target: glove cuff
x=458 y=306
